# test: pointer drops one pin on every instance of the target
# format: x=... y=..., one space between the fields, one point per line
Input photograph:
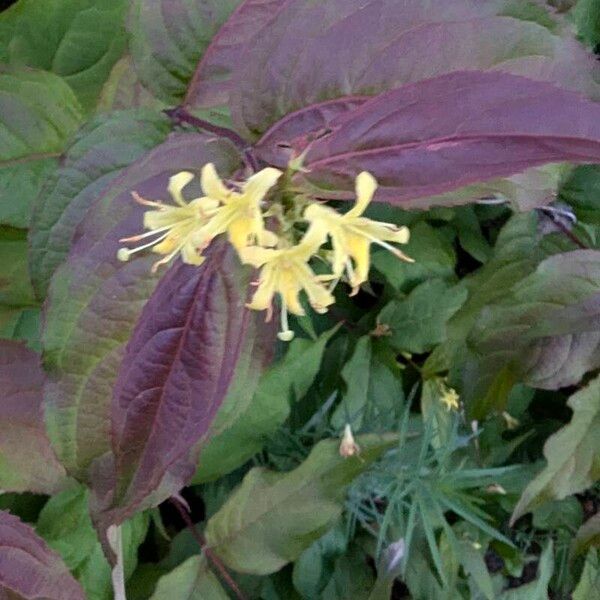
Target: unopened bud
x=348 y=447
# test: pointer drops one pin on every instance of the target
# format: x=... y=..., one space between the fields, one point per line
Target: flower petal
x=177 y=183
x=366 y=185
x=212 y=186
x=256 y=188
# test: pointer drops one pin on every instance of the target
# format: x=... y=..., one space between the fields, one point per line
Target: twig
x=210 y=555
x=179 y=114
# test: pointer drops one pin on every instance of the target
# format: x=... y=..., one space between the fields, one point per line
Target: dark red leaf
x=29 y=568
x=437 y=135
x=177 y=369
x=27 y=461
x=211 y=84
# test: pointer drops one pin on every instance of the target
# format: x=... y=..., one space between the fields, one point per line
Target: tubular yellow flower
x=239 y=214
x=171 y=227
x=285 y=271
x=450 y=398
x=352 y=234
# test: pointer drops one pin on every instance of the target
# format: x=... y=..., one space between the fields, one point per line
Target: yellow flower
x=174 y=225
x=449 y=398
x=352 y=234
x=348 y=446
x=240 y=213
x=285 y=271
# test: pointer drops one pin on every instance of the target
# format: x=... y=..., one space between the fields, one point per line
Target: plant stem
x=210 y=555
x=179 y=114
x=115 y=538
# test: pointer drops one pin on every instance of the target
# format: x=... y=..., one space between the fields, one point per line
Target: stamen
x=286 y=334
x=145 y=202
x=389 y=247
x=165 y=259
x=141 y=236
x=148 y=245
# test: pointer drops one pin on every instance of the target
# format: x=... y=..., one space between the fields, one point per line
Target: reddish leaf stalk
x=181 y=115
x=210 y=555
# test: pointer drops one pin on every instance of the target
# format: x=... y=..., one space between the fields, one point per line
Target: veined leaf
x=39 y=112
x=278 y=72
x=192 y=580
x=544 y=333
x=95 y=300
x=98 y=154
x=573 y=454
x=211 y=85
x=77 y=39
x=28 y=568
x=444 y=133
x=27 y=461
x=273 y=517
x=168 y=38
x=177 y=369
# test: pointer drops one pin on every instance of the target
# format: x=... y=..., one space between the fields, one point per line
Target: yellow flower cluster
x=188 y=227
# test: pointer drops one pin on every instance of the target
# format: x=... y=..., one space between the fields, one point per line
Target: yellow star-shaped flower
x=173 y=224
x=352 y=234
x=285 y=271
x=239 y=213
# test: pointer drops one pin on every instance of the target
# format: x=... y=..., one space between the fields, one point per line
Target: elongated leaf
x=29 y=568
x=192 y=580
x=588 y=535
x=100 y=152
x=168 y=38
x=545 y=332
x=254 y=409
x=176 y=371
x=573 y=455
x=440 y=134
x=66 y=525
x=94 y=300
x=27 y=461
x=77 y=39
x=39 y=112
x=210 y=86
x=272 y=517
x=394 y=43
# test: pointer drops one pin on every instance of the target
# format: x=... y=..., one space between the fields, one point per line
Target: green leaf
x=545 y=333
x=374 y=394
x=538 y=589
x=21 y=324
x=39 y=112
x=433 y=255
x=351 y=579
x=192 y=580
x=418 y=322
x=473 y=563
x=66 y=525
x=168 y=39
x=253 y=410
x=79 y=40
x=587 y=19
x=588 y=587
x=573 y=454
x=314 y=567
x=273 y=517
x=588 y=535
x=15 y=287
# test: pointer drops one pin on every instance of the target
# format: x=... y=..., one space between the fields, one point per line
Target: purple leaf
x=314 y=51
x=29 y=568
x=27 y=461
x=177 y=369
x=211 y=84
x=95 y=300
x=302 y=127
x=438 y=135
